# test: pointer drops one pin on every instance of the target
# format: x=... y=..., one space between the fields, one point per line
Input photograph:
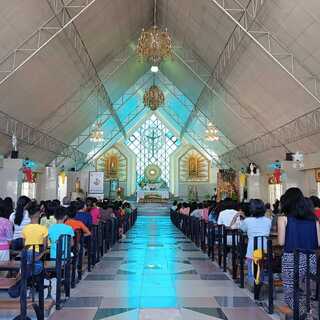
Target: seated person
x=57 y=230
x=93 y=210
x=81 y=213
x=198 y=212
x=6 y=234
x=107 y=212
x=76 y=224
x=35 y=236
x=185 y=209
x=174 y=205
x=228 y=213
x=127 y=208
x=257 y=225
x=47 y=214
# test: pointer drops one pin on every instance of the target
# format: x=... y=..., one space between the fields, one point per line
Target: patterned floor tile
x=219 y=276
x=83 y=302
x=108 y=312
x=246 y=314
x=72 y=314
x=235 y=302
x=160 y=314
x=99 y=277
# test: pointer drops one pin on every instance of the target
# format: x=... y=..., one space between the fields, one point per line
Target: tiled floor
x=156 y=273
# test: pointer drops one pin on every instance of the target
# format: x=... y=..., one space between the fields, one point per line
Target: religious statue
x=112 y=166
x=14 y=143
x=193 y=167
x=77 y=185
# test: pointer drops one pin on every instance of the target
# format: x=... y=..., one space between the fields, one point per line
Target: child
x=35 y=235
x=57 y=230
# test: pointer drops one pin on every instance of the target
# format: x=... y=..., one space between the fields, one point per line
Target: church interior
x=183 y=135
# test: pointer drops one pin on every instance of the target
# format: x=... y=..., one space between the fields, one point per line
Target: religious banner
x=96 y=182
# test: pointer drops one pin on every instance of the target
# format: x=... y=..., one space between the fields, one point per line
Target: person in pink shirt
x=94 y=210
x=205 y=211
x=185 y=209
x=6 y=234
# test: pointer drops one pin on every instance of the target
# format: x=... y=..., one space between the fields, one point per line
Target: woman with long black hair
x=19 y=218
x=297 y=229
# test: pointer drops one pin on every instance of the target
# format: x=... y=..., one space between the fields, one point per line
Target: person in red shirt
x=316 y=203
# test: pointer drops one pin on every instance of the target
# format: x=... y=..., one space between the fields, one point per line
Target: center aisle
x=157 y=273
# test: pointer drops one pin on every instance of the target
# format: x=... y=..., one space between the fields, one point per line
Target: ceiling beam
x=134 y=91
x=258 y=37
x=302 y=127
x=223 y=62
x=84 y=56
x=130 y=118
x=30 y=136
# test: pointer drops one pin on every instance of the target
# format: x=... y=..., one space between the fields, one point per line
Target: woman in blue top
x=297 y=229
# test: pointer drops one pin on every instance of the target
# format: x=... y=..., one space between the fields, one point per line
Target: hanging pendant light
x=154 y=45
x=153 y=97
x=97 y=134
x=211 y=133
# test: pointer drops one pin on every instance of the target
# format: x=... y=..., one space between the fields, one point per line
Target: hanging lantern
x=153 y=97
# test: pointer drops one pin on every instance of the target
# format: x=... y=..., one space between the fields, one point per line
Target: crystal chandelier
x=211 y=133
x=96 y=135
x=154 y=45
x=153 y=97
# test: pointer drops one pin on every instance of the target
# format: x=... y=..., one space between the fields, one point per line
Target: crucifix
x=153 y=137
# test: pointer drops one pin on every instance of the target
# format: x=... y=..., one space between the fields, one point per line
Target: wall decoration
x=96 y=182
x=317 y=174
x=194 y=167
x=114 y=165
x=152 y=172
x=227 y=184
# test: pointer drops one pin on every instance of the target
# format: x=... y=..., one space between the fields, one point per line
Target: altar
x=152 y=195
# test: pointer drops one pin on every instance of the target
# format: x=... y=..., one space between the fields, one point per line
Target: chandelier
x=154 y=45
x=211 y=133
x=96 y=135
x=153 y=97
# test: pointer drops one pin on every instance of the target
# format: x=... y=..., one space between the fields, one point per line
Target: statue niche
x=193 y=167
x=112 y=167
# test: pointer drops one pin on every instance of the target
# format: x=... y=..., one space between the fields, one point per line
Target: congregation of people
x=293 y=221
x=42 y=223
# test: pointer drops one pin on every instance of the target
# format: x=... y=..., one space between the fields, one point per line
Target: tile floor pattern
x=157 y=273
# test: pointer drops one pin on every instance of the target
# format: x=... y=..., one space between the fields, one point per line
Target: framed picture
x=317 y=174
x=96 y=182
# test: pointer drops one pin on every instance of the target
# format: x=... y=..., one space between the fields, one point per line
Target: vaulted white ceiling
x=263 y=88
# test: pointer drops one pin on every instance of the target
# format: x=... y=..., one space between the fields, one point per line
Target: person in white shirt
x=227 y=214
x=197 y=212
x=19 y=219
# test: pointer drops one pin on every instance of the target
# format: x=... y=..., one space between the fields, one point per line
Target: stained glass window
x=153 y=143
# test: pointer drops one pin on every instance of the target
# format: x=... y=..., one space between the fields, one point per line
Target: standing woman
x=19 y=219
x=297 y=229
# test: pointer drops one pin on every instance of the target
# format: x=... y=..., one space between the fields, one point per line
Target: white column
x=49 y=184
x=11 y=178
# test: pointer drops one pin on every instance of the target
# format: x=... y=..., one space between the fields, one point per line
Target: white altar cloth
x=164 y=194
